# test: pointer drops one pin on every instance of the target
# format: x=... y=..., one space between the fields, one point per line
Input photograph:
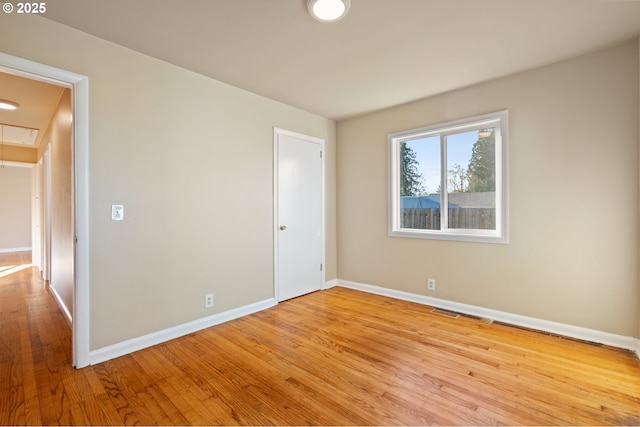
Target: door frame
x=79 y=86
x=276 y=223
x=45 y=208
x=36 y=215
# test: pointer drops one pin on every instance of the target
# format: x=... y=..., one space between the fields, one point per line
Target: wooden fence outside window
x=466 y=218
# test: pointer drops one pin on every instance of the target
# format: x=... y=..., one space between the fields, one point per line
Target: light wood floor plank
x=336 y=357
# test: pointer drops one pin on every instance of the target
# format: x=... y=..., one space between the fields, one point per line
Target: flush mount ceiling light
x=328 y=10
x=8 y=105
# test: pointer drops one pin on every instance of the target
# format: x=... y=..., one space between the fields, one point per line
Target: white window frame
x=499 y=120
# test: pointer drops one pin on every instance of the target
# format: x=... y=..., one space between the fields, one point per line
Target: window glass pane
x=471 y=179
x=420 y=176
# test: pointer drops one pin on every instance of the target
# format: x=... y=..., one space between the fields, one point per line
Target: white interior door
x=299 y=214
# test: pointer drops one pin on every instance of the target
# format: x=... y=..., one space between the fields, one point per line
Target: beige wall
x=15 y=214
x=574 y=195
x=191 y=160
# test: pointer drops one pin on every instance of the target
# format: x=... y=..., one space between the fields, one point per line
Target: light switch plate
x=117 y=213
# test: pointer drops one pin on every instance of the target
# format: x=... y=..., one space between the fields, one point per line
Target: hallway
x=35 y=341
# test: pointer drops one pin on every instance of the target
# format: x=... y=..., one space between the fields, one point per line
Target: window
x=461 y=165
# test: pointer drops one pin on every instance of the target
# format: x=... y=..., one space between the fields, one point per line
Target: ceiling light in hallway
x=8 y=105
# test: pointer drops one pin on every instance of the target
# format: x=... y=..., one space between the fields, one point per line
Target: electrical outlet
x=208 y=301
x=431 y=284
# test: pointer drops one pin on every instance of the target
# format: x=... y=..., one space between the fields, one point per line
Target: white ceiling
x=384 y=53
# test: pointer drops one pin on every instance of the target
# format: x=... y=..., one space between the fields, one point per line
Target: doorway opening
x=76 y=246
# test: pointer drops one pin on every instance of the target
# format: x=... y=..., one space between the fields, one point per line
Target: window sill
x=467 y=236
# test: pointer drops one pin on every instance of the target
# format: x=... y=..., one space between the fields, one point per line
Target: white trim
x=79 y=85
x=19 y=164
x=276 y=222
x=61 y=304
x=620 y=341
x=7 y=250
x=46 y=213
x=330 y=284
x=276 y=207
x=155 y=338
x=81 y=305
x=36 y=204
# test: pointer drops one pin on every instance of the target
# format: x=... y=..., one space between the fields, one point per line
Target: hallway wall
x=15 y=215
x=62 y=232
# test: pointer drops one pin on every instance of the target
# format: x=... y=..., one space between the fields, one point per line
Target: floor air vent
x=451 y=314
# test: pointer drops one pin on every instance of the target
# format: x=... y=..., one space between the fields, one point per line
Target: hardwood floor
x=336 y=357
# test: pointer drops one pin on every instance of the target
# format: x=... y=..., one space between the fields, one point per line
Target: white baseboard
x=330 y=284
x=135 y=344
x=7 y=250
x=628 y=343
x=61 y=304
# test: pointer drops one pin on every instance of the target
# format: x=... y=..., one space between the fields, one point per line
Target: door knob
x=283 y=227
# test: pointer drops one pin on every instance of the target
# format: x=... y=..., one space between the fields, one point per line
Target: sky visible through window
x=459 y=148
